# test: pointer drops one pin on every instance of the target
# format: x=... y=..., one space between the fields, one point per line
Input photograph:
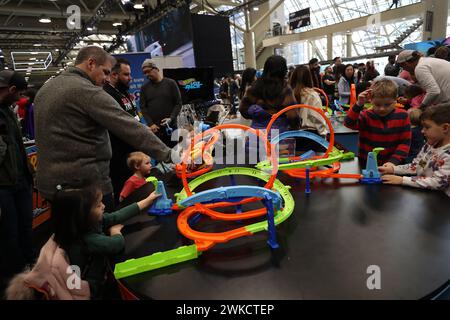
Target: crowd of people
x=94 y=150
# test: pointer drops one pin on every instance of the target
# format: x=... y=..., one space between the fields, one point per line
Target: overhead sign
x=299 y=19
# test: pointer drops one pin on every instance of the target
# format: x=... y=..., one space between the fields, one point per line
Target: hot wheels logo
x=190 y=84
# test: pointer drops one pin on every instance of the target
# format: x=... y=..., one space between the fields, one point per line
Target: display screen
x=170 y=35
x=196 y=84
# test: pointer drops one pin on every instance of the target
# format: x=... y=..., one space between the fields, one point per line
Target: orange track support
x=326 y=98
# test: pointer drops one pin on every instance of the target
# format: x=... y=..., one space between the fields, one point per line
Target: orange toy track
x=298 y=106
x=325 y=173
x=259 y=133
x=204 y=152
x=205 y=240
x=327 y=101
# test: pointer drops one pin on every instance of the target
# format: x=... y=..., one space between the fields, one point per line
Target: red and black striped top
x=392 y=132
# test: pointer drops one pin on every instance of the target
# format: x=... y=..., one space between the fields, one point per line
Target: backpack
x=51 y=276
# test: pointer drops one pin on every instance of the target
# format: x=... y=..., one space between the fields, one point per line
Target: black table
x=326 y=247
x=346 y=137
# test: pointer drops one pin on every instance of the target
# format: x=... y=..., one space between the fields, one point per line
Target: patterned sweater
x=392 y=132
x=429 y=170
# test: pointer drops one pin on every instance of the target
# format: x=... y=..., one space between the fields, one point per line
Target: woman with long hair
x=248 y=78
x=302 y=84
x=345 y=84
x=268 y=95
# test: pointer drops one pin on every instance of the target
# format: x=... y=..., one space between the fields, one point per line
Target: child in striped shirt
x=431 y=168
x=382 y=126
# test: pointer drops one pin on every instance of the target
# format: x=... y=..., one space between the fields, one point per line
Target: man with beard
x=160 y=102
x=118 y=88
x=314 y=67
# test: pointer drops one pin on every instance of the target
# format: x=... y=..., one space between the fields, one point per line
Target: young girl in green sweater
x=90 y=236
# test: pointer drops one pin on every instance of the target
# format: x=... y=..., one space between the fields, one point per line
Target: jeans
x=16 y=219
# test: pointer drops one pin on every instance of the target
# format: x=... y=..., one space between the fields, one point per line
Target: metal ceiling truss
x=149 y=16
x=102 y=10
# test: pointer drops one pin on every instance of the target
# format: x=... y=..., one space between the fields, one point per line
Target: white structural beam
x=414 y=10
x=53 y=13
x=265 y=15
x=435 y=19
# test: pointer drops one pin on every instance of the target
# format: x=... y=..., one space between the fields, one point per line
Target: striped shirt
x=392 y=132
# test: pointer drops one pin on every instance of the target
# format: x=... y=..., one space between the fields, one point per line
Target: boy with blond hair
x=382 y=126
x=140 y=163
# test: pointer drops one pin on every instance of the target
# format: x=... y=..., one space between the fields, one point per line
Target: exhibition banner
x=299 y=19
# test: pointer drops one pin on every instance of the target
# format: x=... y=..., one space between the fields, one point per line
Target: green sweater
x=92 y=252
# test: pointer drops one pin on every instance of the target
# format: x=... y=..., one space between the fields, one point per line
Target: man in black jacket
x=16 y=213
x=118 y=88
x=160 y=101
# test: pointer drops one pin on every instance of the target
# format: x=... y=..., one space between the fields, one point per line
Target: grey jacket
x=72 y=119
x=344 y=90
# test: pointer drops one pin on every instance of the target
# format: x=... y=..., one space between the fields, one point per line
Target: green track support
x=155 y=261
x=153 y=180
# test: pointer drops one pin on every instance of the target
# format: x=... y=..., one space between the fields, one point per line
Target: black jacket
x=11 y=146
x=118 y=169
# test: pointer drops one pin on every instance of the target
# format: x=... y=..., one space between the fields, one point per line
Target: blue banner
x=136 y=60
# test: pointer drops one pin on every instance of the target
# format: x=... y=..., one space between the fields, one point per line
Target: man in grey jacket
x=73 y=116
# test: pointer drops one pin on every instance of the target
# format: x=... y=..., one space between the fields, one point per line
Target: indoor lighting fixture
x=117 y=23
x=255 y=9
x=45 y=19
x=6 y=68
x=90 y=28
x=138 y=5
x=37 y=45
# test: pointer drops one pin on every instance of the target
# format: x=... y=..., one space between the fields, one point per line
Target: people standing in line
x=118 y=87
x=160 y=102
x=432 y=75
x=16 y=212
x=73 y=111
